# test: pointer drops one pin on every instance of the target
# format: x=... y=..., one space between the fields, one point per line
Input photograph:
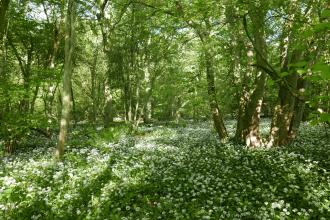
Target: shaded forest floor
x=167 y=172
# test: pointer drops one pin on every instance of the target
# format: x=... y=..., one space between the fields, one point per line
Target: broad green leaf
x=325 y=13
x=324 y=70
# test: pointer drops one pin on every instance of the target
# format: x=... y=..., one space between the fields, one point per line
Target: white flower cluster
x=170 y=173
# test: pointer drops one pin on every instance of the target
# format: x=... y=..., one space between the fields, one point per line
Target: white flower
x=8 y=181
x=276 y=205
x=2 y=207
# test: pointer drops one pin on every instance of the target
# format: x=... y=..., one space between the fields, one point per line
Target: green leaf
x=325 y=117
x=301 y=71
x=325 y=13
x=324 y=70
x=299 y=64
x=315 y=78
x=270 y=83
x=322 y=27
x=314 y=122
x=308 y=33
x=284 y=74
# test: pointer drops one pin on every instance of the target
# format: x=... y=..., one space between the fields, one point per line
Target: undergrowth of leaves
x=167 y=172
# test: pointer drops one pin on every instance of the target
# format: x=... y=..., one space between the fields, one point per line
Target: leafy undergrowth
x=168 y=172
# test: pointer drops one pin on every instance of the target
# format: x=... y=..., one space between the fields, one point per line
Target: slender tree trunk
x=50 y=64
x=137 y=103
x=147 y=85
x=108 y=109
x=128 y=97
x=34 y=98
x=148 y=96
x=93 y=89
x=108 y=112
x=73 y=110
x=3 y=26
x=66 y=94
x=3 y=11
x=215 y=110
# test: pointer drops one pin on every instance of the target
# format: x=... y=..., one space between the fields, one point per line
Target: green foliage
x=168 y=173
x=151 y=53
x=323 y=69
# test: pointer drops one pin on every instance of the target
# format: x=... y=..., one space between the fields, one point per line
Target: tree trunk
x=148 y=105
x=283 y=114
x=137 y=102
x=128 y=97
x=215 y=110
x=50 y=90
x=289 y=110
x=299 y=109
x=73 y=110
x=66 y=93
x=34 y=98
x=148 y=95
x=93 y=89
x=249 y=118
x=108 y=109
x=3 y=10
x=284 y=109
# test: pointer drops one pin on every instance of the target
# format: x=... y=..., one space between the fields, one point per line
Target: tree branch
x=268 y=68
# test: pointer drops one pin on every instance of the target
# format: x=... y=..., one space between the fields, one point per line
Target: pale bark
x=148 y=80
x=148 y=96
x=108 y=109
x=66 y=93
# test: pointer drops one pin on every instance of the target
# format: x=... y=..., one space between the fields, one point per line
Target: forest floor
x=167 y=172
